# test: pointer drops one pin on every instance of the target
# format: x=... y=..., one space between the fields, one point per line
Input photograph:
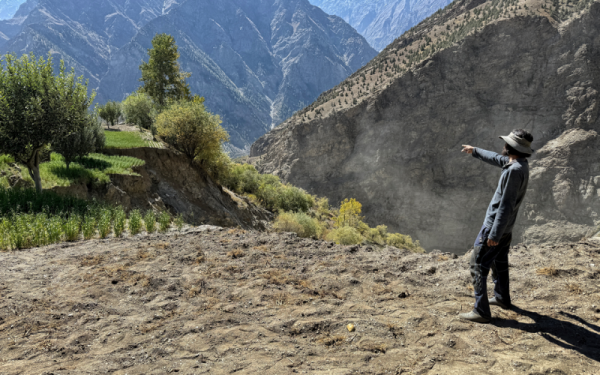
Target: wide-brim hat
x=520 y=144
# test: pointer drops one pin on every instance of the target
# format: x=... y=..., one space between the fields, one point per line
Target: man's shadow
x=559 y=332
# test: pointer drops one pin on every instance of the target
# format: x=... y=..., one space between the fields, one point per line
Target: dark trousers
x=483 y=259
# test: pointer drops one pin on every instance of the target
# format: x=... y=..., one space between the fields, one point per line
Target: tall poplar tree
x=161 y=77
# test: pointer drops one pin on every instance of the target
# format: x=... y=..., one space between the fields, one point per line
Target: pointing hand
x=468 y=149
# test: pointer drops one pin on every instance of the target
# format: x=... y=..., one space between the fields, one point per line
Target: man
x=493 y=242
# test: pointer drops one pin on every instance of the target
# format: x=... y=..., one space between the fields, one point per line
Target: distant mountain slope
x=256 y=62
x=8 y=8
x=391 y=134
x=381 y=21
x=83 y=33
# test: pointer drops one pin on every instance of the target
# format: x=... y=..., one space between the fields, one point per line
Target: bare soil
x=221 y=301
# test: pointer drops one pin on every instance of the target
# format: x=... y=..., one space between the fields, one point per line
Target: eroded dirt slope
x=222 y=300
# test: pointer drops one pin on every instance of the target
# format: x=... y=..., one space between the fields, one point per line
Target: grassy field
x=94 y=168
x=116 y=139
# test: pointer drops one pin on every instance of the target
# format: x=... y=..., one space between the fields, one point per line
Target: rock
x=116 y=196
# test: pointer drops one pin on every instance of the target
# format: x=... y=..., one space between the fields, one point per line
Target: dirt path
x=222 y=301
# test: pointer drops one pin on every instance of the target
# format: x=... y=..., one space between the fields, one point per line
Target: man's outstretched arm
x=489 y=157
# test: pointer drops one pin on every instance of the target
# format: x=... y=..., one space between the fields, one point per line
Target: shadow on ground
x=564 y=333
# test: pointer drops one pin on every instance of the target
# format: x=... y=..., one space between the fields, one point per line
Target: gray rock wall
x=399 y=153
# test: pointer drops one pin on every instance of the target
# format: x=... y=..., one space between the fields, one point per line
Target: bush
x=139 y=110
x=299 y=223
x=346 y=236
x=135 y=222
x=268 y=189
x=404 y=242
x=120 y=219
x=193 y=131
x=150 y=221
x=164 y=221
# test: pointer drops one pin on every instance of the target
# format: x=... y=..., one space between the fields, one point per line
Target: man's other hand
x=491 y=243
x=468 y=149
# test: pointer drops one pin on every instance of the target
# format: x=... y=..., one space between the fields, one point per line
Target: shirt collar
x=519 y=161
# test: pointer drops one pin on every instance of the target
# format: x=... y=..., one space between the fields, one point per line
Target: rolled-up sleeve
x=490 y=157
x=508 y=202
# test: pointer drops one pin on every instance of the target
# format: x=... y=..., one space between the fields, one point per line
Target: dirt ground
x=225 y=300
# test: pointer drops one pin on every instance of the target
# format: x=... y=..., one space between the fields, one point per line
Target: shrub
x=179 y=222
x=72 y=228
x=291 y=198
x=164 y=221
x=135 y=222
x=150 y=221
x=104 y=222
x=299 y=223
x=89 y=227
x=349 y=215
x=139 y=110
x=346 y=236
x=119 y=221
x=193 y=131
x=402 y=241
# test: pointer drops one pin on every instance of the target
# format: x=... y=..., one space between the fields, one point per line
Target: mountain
x=255 y=62
x=390 y=135
x=8 y=8
x=381 y=21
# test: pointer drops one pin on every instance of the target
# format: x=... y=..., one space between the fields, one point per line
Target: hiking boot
x=494 y=302
x=474 y=316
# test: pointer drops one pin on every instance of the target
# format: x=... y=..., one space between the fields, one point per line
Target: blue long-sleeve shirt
x=503 y=209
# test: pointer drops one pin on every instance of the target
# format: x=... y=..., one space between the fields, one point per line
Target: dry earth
x=219 y=301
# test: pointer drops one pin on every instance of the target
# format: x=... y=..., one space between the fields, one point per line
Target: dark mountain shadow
x=563 y=333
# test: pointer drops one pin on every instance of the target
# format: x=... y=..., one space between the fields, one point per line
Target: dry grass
x=236 y=254
x=90 y=260
x=547 y=271
x=332 y=340
x=574 y=288
x=374 y=347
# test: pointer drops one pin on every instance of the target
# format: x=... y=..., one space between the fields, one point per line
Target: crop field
x=126 y=139
x=28 y=219
x=94 y=168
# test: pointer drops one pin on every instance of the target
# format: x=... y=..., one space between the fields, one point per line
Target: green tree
x=110 y=112
x=86 y=140
x=161 y=76
x=139 y=110
x=38 y=108
x=193 y=131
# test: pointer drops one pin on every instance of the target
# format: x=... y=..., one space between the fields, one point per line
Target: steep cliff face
x=381 y=21
x=398 y=150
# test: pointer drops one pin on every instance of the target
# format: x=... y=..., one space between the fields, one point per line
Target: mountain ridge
x=380 y=22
